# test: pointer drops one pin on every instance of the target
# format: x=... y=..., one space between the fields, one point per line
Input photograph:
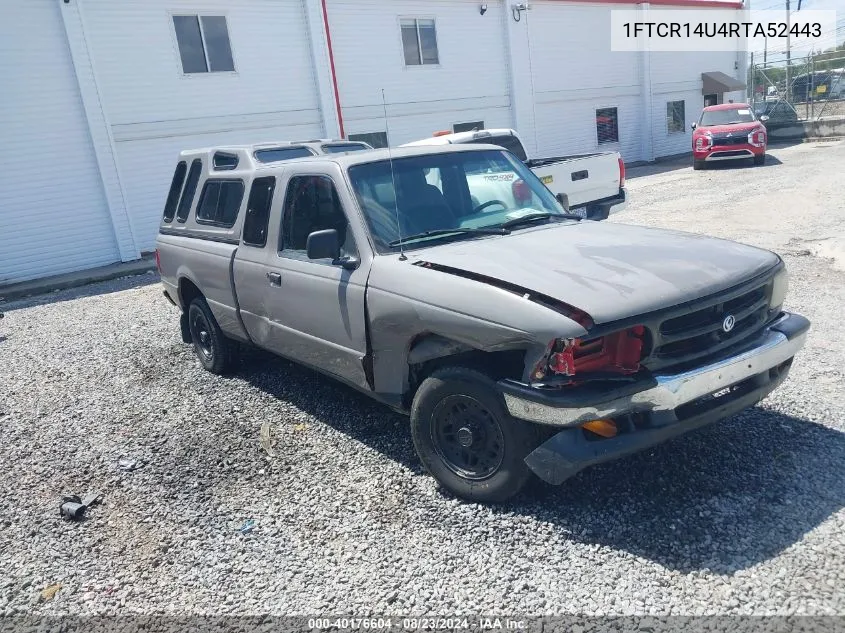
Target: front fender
x=406 y=301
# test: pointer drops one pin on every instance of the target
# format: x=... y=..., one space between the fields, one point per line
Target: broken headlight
x=616 y=353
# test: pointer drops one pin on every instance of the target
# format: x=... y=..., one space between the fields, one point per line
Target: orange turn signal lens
x=604 y=428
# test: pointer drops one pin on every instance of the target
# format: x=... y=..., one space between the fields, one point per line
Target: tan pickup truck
x=520 y=339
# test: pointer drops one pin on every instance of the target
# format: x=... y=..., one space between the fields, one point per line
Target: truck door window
x=312 y=204
x=190 y=189
x=175 y=190
x=258 y=211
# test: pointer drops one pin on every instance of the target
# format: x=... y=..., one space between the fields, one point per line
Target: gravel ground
x=742 y=517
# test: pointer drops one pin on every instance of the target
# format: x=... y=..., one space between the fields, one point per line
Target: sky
x=803 y=48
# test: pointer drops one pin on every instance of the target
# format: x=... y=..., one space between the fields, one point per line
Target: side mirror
x=564 y=201
x=692 y=126
x=323 y=244
x=764 y=118
x=326 y=244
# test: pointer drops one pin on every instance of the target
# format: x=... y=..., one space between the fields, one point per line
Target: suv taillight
x=621 y=172
x=158 y=262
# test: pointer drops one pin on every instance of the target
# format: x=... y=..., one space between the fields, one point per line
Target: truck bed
x=583 y=178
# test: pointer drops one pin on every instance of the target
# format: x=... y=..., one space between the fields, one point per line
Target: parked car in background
x=518 y=338
x=591 y=186
x=777 y=110
x=729 y=131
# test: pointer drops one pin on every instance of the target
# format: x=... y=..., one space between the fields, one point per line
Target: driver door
x=316 y=307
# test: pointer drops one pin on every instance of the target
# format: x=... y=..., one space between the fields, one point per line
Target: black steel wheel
x=214 y=350
x=466 y=439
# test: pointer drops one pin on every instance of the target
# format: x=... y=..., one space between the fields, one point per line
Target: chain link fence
x=808 y=88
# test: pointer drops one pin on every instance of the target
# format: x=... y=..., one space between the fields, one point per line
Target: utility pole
x=752 y=93
x=788 y=55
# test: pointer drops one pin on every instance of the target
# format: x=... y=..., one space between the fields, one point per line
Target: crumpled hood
x=609 y=270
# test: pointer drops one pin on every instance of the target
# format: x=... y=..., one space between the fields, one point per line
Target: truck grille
x=685 y=336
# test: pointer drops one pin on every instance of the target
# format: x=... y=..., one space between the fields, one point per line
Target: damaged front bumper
x=652 y=411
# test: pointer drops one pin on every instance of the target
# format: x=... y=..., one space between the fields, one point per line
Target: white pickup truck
x=591 y=186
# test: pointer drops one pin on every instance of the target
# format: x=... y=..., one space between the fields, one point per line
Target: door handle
x=275 y=279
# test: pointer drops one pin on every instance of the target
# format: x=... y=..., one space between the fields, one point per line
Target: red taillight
x=158 y=261
x=621 y=172
x=441 y=133
x=619 y=352
x=521 y=192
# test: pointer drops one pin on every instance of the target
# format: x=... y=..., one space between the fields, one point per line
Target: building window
x=675 y=117
x=607 y=125
x=468 y=127
x=203 y=43
x=373 y=139
x=419 y=42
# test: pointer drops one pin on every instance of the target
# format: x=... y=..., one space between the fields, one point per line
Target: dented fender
x=456 y=313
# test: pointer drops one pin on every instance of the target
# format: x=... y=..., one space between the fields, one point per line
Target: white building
x=100 y=95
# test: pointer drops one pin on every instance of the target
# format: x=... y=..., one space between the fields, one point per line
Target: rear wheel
x=697 y=164
x=760 y=160
x=214 y=350
x=465 y=438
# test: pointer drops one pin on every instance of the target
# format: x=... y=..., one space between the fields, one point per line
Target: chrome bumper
x=779 y=342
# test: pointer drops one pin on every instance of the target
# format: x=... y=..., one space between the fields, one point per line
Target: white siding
x=469 y=84
x=54 y=216
x=574 y=72
x=676 y=76
x=155 y=110
x=666 y=143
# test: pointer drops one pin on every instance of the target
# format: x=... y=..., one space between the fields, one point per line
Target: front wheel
x=465 y=438
x=214 y=350
x=698 y=164
x=760 y=160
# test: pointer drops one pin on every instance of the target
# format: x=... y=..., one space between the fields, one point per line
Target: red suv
x=728 y=132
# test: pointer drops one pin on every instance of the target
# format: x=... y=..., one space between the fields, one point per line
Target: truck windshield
x=726 y=117
x=451 y=190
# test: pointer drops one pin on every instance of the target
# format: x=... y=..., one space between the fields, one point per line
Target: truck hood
x=611 y=271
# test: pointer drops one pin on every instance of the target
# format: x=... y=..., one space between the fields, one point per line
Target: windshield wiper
x=456 y=231
x=535 y=217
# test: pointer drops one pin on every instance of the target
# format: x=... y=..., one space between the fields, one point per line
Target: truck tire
x=215 y=352
x=465 y=438
x=698 y=164
x=760 y=160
